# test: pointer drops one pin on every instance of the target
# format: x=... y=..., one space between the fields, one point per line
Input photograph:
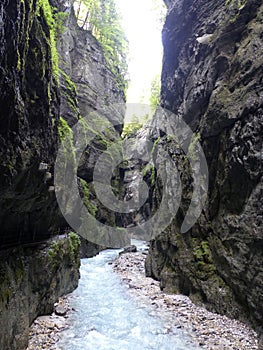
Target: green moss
x=86 y=195
x=18 y=61
x=69 y=91
x=130 y=129
x=60 y=19
x=155 y=144
x=63 y=129
x=203 y=258
x=53 y=250
x=192 y=149
x=45 y=7
x=202 y=251
x=74 y=243
x=24 y=26
x=149 y=169
x=58 y=250
x=68 y=82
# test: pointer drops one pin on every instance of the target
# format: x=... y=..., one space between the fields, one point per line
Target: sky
x=141 y=23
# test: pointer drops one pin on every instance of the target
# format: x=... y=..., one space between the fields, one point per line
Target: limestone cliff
x=29 y=110
x=51 y=74
x=32 y=278
x=88 y=85
x=32 y=275
x=212 y=78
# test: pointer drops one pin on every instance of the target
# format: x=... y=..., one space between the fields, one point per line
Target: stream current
x=107 y=317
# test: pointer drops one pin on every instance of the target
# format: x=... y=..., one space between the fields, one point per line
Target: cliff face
x=212 y=78
x=93 y=88
x=29 y=106
x=32 y=279
x=43 y=91
x=83 y=61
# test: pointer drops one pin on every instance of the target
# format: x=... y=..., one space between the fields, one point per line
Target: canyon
x=55 y=76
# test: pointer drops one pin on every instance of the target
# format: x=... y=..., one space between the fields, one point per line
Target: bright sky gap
x=141 y=20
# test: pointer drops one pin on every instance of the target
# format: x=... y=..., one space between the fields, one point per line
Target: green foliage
x=63 y=129
x=149 y=169
x=59 y=22
x=130 y=129
x=103 y=20
x=86 y=195
x=55 y=253
x=45 y=8
x=204 y=259
x=74 y=244
x=58 y=249
x=133 y=126
x=155 y=92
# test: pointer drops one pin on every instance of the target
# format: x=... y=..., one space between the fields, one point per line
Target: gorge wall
x=213 y=78
x=90 y=92
x=52 y=73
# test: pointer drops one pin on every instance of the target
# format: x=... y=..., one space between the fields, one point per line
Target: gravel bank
x=209 y=330
x=45 y=330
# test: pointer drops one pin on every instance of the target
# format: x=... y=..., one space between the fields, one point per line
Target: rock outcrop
x=212 y=78
x=32 y=279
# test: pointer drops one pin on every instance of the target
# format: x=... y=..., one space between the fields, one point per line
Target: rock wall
x=29 y=113
x=212 y=78
x=43 y=91
x=32 y=279
x=88 y=86
x=82 y=60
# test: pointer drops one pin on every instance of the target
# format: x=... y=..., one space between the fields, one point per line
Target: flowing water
x=108 y=318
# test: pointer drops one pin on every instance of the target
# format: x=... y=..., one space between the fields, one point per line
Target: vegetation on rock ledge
x=102 y=19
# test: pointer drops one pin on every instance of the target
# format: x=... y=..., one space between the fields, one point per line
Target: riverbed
x=108 y=317
x=116 y=307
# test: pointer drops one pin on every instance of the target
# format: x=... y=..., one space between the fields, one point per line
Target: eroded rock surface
x=212 y=78
x=32 y=279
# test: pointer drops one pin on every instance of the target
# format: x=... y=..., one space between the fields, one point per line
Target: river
x=107 y=317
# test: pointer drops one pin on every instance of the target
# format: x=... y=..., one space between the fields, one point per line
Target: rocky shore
x=208 y=330
x=45 y=330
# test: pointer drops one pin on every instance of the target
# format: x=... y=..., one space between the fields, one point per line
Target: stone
x=33 y=278
x=130 y=249
x=43 y=167
x=211 y=329
x=60 y=310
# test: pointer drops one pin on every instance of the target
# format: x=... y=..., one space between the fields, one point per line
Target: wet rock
x=31 y=282
x=60 y=310
x=214 y=84
x=130 y=249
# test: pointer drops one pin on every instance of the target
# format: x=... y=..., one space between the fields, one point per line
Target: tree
x=155 y=92
x=102 y=19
